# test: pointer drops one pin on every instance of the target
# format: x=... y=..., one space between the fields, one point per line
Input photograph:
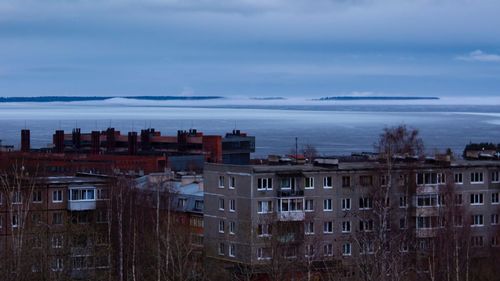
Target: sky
x=250 y=48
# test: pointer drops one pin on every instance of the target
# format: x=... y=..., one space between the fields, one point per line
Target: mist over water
x=332 y=128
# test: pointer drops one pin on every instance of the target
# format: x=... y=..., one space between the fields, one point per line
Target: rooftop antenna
x=296 y=148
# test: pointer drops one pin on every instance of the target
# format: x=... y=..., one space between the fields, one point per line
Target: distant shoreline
x=376 y=98
x=96 y=98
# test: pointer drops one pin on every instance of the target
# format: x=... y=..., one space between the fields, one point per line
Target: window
x=346 y=226
x=346 y=181
x=287 y=183
x=327 y=205
x=102 y=194
x=494 y=198
x=232 y=250
x=57 y=196
x=309 y=251
x=221 y=181
x=459 y=179
x=327 y=182
x=366 y=225
x=291 y=204
x=57 y=264
x=495 y=241
x=82 y=194
x=346 y=204
x=264 y=230
x=403 y=248
x=264 y=184
x=309 y=183
x=37 y=196
x=1 y=222
x=264 y=207
x=402 y=223
x=15 y=220
x=495 y=177
x=309 y=227
x=16 y=197
x=57 y=218
x=430 y=178
x=221 y=204
x=366 y=180
x=181 y=203
x=346 y=249
x=458 y=199
x=403 y=202
x=328 y=227
x=221 y=226
x=221 y=249
x=232 y=227
x=232 y=205
x=198 y=205
x=102 y=216
x=309 y=205
x=477 y=220
x=477 y=241
x=36 y=218
x=263 y=253
x=494 y=219
x=476 y=199
x=328 y=250
x=366 y=248
x=383 y=180
x=476 y=177
x=57 y=241
x=458 y=220
x=426 y=222
x=365 y=203
x=427 y=200
x=232 y=182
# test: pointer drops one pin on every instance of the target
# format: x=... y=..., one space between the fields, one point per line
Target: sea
x=334 y=128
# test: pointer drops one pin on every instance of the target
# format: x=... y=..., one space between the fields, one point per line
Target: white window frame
x=222 y=226
x=232 y=227
x=347 y=249
x=476 y=177
x=309 y=205
x=495 y=177
x=222 y=204
x=477 y=220
x=221 y=249
x=346 y=226
x=232 y=182
x=403 y=202
x=494 y=219
x=265 y=184
x=59 y=197
x=232 y=205
x=309 y=183
x=327 y=182
x=232 y=250
x=458 y=178
x=328 y=227
x=328 y=205
x=221 y=182
x=476 y=199
x=309 y=228
x=346 y=204
x=264 y=207
x=328 y=250
x=495 y=198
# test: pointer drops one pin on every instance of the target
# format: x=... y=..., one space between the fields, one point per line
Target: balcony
x=291 y=216
x=81 y=198
x=290 y=193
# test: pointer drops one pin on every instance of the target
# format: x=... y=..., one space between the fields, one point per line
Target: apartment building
x=325 y=211
x=54 y=228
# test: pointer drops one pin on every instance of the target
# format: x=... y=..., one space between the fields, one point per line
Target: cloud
x=480 y=56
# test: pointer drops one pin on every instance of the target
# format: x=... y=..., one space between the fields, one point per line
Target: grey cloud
x=480 y=56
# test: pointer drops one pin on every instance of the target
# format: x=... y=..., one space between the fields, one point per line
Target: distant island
x=97 y=98
x=377 y=98
x=268 y=98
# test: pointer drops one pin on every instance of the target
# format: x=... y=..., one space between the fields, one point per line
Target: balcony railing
x=291 y=216
x=81 y=198
x=290 y=193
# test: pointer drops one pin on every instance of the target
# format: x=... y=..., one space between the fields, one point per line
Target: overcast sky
x=250 y=47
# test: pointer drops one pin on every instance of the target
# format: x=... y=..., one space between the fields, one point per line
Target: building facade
x=331 y=213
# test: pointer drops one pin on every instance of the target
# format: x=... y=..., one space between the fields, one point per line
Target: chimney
x=110 y=140
x=58 y=140
x=182 y=140
x=132 y=143
x=95 y=142
x=76 y=138
x=25 y=140
x=145 y=140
